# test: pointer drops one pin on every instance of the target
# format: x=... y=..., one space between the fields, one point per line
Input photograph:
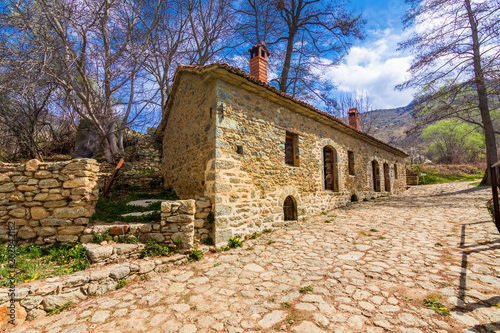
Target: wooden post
x=494 y=189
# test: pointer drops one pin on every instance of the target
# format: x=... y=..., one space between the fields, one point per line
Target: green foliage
x=491 y=208
x=208 y=241
x=437 y=306
x=35 y=262
x=58 y=309
x=454 y=142
x=121 y=284
x=127 y=240
x=211 y=217
x=98 y=239
x=235 y=242
x=255 y=235
x=306 y=289
x=113 y=206
x=195 y=255
x=436 y=175
x=153 y=249
x=151 y=217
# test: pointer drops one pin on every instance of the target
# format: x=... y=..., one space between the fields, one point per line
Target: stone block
x=8 y=187
x=39 y=213
x=70 y=212
x=166 y=207
x=26 y=188
x=98 y=253
x=187 y=207
x=222 y=210
x=32 y=165
x=26 y=233
x=18 y=212
x=203 y=204
x=51 y=222
x=119 y=230
x=31 y=302
x=67 y=238
x=181 y=218
x=120 y=272
x=198 y=223
x=51 y=301
x=43 y=174
x=48 y=197
x=48 y=183
x=46 y=231
x=55 y=204
x=71 y=230
x=4 y=318
x=77 y=182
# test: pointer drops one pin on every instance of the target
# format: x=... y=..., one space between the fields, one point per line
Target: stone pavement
x=370 y=268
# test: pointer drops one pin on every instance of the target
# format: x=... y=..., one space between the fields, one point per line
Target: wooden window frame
x=351 y=163
x=294 y=138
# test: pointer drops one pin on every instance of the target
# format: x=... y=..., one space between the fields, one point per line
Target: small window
x=291 y=157
x=239 y=150
x=395 y=171
x=350 y=162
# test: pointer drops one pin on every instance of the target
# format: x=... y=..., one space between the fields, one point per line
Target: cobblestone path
x=370 y=267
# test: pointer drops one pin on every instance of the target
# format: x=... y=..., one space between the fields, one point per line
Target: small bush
x=306 y=289
x=437 y=306
x=208 y=241
x=235 y=242
x=195 y=255
x=211 y=217
x=98 y=239
x=58 y=309
x=121 y=284
x=127 y=240
x=153 y=249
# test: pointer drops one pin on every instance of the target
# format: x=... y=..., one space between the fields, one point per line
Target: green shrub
x=98 y=239
x=153 y=249
x=127 y=240
x=121 y=284
x=437 y=306
x=195 y=255
x=306 y=289
x=235 y=242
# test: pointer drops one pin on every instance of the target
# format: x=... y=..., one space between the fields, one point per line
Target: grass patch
x=491 y=207
x=153 y=249
x=111 y=207
x=437 y=306
x=98 y=239
x=34 y=262
x=195 y=255
x=58 y=309
x=306 y=289
x=438 y=173
x=121 y=284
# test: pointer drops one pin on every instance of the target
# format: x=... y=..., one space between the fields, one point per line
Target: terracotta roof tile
x=266 y=85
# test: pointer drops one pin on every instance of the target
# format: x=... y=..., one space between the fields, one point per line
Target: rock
x=51 y=301
x=48 y=183
x=26 y=233
x=76 y=182
x=98 y=275
x=98 y=253
x=35 y=313
x=54 y=222
x=272 y=319
x=18 y=212
x=187 y=207
x=5 y=310
x=99 y=316
x=32 y=165
x=31 y=302
x=67 y=238
x=146 y=266
x=70 y=212
x=43 y=174
x=181 y=218
x=48 y=197
x=21 y=293
x=254 y=268
x=46 y=231
x=39 y=213
x=9 y=187
x=120 y=272
x=76 y=280
x=307 y=326
x=351 y=256
x=71 y=230
x=119 y=230
x=144 y=203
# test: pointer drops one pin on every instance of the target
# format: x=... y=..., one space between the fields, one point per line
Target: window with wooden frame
x=291 y=157
x=350 y=162
x=395 y=171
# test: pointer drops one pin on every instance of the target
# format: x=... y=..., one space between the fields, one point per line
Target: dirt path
x=370 y=267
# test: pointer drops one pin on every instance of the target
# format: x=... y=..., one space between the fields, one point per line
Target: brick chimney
x=258 y=61
x=354 y=118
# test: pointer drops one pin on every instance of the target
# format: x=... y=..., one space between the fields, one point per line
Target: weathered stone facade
x=239 y=128
x=48 y=202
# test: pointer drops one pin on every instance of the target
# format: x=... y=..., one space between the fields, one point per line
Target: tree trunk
x=482 y=94
x=286 y=65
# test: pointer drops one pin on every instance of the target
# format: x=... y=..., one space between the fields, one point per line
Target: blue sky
x=374 y=65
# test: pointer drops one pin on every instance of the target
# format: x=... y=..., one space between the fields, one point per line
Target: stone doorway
x=290 y=209
x=376 y=176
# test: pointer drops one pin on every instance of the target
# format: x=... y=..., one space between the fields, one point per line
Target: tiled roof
x=266 y=85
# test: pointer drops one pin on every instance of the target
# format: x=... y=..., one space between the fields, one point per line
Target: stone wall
x=48 y=202
x=35 y=298
x=186 y=220
x=188 y=136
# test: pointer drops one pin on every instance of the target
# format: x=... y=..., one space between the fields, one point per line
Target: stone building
x=263 y=157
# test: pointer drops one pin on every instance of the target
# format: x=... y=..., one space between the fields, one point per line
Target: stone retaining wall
x=48 y=202
x=35 y=298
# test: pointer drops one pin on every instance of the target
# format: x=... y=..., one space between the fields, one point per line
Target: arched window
x=290 y=209
x=387 y=182
x=395 y=171
x=375 y=176
x=330 y=173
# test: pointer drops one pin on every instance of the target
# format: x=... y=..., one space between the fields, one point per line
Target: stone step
x=144 y=203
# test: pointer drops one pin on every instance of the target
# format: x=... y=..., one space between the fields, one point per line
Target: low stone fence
x=48 y=202
x=35 y=298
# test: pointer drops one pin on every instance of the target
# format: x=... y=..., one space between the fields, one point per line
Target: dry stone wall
x=48 y=202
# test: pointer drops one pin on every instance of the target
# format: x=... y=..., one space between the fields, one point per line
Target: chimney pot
x=354 y=118
x=258 y=61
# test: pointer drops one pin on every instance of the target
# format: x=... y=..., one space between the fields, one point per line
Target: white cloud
x=375 y=68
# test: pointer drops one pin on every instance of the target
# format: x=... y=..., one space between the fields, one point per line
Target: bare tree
x=341 y=104
x=95 y=53
x=456 y=47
